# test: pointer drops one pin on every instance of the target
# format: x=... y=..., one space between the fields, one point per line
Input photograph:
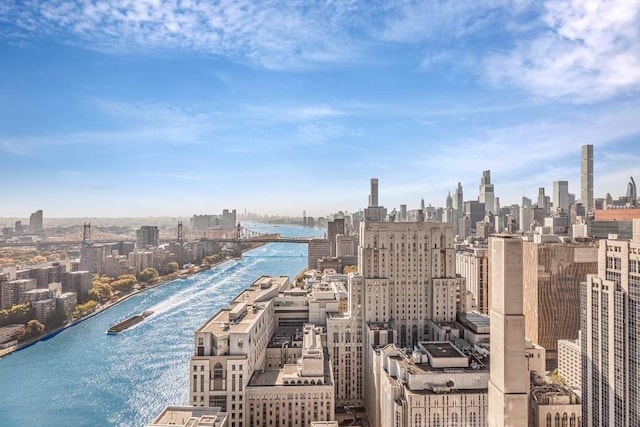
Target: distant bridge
x=242 y=235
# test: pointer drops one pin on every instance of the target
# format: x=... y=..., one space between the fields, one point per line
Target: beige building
x=509 y=379
x=552 y=276
x=472 y=263
x=569 y=362
x=436 y=385
x=609 y=340
x=552 y=405
x=11 y=291
x=189 y=416
x=44 y=308
x=295 y=394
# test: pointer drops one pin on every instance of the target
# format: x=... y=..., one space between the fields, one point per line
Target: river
x=84 y=377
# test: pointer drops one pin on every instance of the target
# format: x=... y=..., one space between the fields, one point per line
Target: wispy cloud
x=275 y=34
x=590 y=51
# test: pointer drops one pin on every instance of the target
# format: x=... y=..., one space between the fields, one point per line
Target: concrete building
x=229 y=221
x=553 y=273
x=552 y=405
x=569 y=361
x=35 y=222
x=44 y=308
x=560 y=196
x=472 y=263
x=34 y=295
x=67 y=303
x=92 y=258
x=610 y=348
x=347 y=249
x=79 y=282
x=231 y=363
x=509 y=378
x=189 y=416
x=11 y=291
x=409 y=276
x=296 y=394
x=317 y=249
x=334 y=228
x=475 y=211
x=329 y=263
x=586 y=178
x=147 y=235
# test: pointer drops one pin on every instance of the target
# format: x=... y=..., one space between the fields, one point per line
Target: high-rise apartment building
x=610 y=342
x=228 y=219
x=317 y=249
x=560 y=196
x=553 y=273
x=472 y=263
x=374 y=212
x=11 y=291
x=147 y=235
x=509 y=376
x=586 y=178
x=35 y=222
x=334 y=228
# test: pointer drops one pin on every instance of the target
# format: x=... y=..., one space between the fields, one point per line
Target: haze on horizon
x=172 y=108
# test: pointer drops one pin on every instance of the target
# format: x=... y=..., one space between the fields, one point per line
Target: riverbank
x=159 y=281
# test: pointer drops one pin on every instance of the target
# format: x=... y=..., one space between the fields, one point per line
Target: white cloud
x=590 y=51
x=274 y=34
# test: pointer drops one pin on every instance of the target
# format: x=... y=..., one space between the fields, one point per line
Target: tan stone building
x=553 y=405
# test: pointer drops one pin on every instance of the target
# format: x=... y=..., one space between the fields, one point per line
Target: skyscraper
x=334 y=228
x=374 y=212
x=35 y=222
x=373 y=197
x=509 y=376
x=632 y=193
x=610 y=321
x=586 y=178
x=487 y=195
x=560 y=196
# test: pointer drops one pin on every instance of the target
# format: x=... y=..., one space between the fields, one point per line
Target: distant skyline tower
x=508 y=375
x=449 y=202
x=586 y=178
x=35 y=221
x=487 y=195
x=632 y=193
x=373 y=197
x=560 y=196
x=542 y=200
x=458 y=200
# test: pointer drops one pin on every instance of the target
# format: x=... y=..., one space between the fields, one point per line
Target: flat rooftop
x=441 y=349
x=189 y=416
x=245 y=308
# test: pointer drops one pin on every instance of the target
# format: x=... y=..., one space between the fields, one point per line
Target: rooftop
x=189 y=416
x=441 y=349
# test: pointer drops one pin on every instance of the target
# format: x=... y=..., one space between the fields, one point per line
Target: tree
x=33 y=329
x=148 y=274
x=350 y=269
x=100 y=292
x=124 y=283
x=55 y=319
x=171 y=268
x=85 y=308
x=300 y=277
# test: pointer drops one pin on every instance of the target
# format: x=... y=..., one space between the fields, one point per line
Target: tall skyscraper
x=610 y=321
x=509 y=376
x=560 y=196
x=542 y=201
x=35 y=222
x=487 y=195
x=334 y=228
x=632 y=193
x=373 y=197
x=374 y=212
x=586 y=178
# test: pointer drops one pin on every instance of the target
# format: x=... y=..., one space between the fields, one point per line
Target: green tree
x=148 y=274
x=85 y=308
x=55 y=319
x=170 y=268
x=124 y=283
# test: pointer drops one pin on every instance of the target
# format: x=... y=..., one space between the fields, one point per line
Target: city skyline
x=160 y=110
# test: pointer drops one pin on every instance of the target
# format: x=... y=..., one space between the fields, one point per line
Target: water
x=82 y=376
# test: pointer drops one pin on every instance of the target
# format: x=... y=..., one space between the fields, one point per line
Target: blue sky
x=158 y=107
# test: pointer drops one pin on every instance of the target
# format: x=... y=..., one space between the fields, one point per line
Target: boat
x=127 y=323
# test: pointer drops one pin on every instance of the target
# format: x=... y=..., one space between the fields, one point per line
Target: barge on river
x=127 y=323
